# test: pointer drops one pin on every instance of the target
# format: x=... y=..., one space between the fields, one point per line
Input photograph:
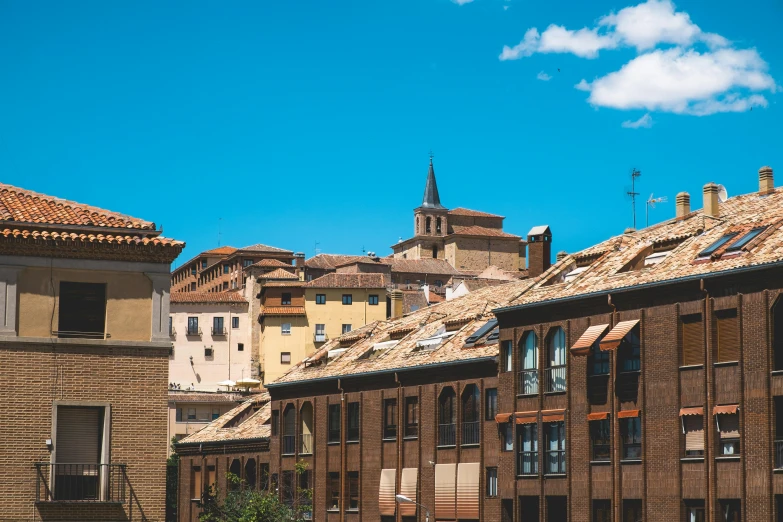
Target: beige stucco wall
x=478 y=254
x=273 y=343
x=334 y=314
x=128 y=307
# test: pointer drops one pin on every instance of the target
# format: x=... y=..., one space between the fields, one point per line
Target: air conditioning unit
x=207 y=352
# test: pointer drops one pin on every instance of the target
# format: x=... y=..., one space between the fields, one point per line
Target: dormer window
x=707 y=252
x=573 y=274
x=655 y=258
x=744 y=240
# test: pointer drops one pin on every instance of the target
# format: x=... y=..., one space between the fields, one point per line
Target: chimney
x=683 y=205
x=396 y=304
x=560 y=256
x=766 y=181
x=299 y=264
x=711 y=200
x=539 y=250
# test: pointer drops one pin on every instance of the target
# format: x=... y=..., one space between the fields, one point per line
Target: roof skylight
x=744 y=240
x=717 y=244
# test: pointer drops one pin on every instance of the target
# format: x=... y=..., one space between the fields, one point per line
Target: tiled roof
x=280 y=273
x=283 y=310
x=414 y=298
x=266 y=248
x=330 y=261
x=477 y=284
x=226 y=427
x=203 y=397
x=423 y=266
x=283 y=284
x=472 y=213
x=66 y=236
x=219 y=251
x=473 y=309
x=476 y=230
x=206 y=297
x=436 y=298
x=271 y=262
x=349 y=281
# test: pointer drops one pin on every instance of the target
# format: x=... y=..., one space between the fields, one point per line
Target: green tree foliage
x=172 y=479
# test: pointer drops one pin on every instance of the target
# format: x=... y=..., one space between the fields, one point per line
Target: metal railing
x=194 y=331
x=778 y=454
x=80 y=482
x=307 y=444
x=555 y=377
x=172 y=332
x=528 y=382
x=221 y=332
x=470 y=433
x=289 y=444
x=555 y=461
x=527 y=463
x=447 y=434
x=72 y=334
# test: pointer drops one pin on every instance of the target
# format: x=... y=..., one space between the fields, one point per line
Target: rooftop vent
x=683 y=205
x=766 y=180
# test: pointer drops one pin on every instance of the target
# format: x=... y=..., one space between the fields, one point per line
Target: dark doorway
x=557 y=509
x=528 y=509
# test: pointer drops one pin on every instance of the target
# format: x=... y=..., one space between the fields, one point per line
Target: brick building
x=83 y=361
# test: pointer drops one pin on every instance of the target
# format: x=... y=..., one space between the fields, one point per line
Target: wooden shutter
x=445 y=491
x=692 y=340
x=728 y=336
x=196 y=486
x=387 y=503
x=694 y=432
x=468 y=476
x=79 y=435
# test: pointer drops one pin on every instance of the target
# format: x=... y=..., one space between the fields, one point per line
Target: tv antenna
x=316 y=250
x=651 y=203
x=632 y=192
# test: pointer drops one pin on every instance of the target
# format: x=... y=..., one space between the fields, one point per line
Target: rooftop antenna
x=316 y=250
x=651 y=203
x=220 y=224
x=632 y=193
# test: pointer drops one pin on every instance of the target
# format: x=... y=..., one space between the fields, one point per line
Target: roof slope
x=335 y=280
x=279 y=273
x=422 y=266
x=431 y=199
x=256 y=426
x=206 y=297
x=330 y=261
x=219 y=251
x=475 y=230
x=461 y=211
x=266 y=248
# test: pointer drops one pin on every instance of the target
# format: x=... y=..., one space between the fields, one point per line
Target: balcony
x=527 y=463
x=69 y=334
x=528 y=382
x=320 y=337
x=447 y=434
x=219 y=332
x=779 y=454
x=289 y=444
x=470 y=433
x=173 y=332
x=89 y=483
x=194 y=332
x=555 y=462
x=307 y=444
x=555 y=377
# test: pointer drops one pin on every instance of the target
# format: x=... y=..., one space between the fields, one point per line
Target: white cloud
x=582 y=86
x=645 y=122
x=557 y=39
x=505 y=8
x=526 y=47
x=684 y=82
x=544 y=77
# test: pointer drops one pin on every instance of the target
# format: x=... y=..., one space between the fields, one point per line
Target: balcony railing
x=71 y=334
x=470 y=433
x=527 y=463
x=194 y=331
x=555 y=378
x=172 y=332
x=219 y=332
x=447 y=434
x=80 y=482
x=528 y=382
x=307 y=444
x=555 y=461
x=779 y=454
x=289 y=444
x=320 y=337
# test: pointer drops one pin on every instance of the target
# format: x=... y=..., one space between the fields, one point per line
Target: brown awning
x=445 y=491
x=691 y=411
x=598 y=416
x=468 y=476
x=552 y=415
x=500 y=418
x=583 y=344
x=627 y=413
x=386 y=501
x=727 y=409
x=408 y=480
x=526 y=417
x=612 y=340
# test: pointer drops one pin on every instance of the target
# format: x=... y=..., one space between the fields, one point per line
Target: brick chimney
x=560 y=256
x=539 y=250
x=396 y=304
x=711 y=200
x=766 y=181
x=683 y=205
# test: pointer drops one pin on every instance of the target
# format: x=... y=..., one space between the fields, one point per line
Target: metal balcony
x=91 y=483
x=555 y=377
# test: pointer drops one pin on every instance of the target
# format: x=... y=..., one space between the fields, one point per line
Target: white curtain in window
x=529 y=439
x=530 y=355
x=557 y=349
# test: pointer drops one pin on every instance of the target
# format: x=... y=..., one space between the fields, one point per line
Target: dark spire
x=431 y=198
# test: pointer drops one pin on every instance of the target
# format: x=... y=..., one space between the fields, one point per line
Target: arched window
x=437 y=226
x=306 y=432
x=447 y=417
x=428 y=225
x=289 y=430
x=556 y=361
x=528 y=357
x=250 y=473
x=236 y=470
x=471 y=402
x=417 y=225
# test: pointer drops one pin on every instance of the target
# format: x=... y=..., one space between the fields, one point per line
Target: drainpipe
x=229 y=344
x=616 y=474
x=709 y=396
x=400 y=432
x=342 y=449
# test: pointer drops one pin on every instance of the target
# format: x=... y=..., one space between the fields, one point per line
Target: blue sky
x=298 y=122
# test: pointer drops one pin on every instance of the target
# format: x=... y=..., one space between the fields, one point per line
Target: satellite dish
x=722 y=194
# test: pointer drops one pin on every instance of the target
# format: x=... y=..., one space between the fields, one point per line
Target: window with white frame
x=285 y=329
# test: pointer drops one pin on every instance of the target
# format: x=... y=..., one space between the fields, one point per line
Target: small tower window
x=428 y=225
x=437 y=226
x=434 y=251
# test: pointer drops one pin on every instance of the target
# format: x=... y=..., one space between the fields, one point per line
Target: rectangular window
x=346 y=328
x=285 y=357
x=692 y=340
x=347 y=299
x=320 y=299
x=264 y=477
x=730 y=511
x=508 y=436
x=217 y=326
x=632 y=511
x=288 y=487
x=334 y=423
x=203 y=264
x=717 y=244
x=226 y=269
x=631 y=434
x=191 y=413
x=694 y=511
x=390 y=419
x=492 y=482
x=727 y=342
x=320 y=333
x=600 y=437
x=491 y=406
x=247 y=262
x=555 y=449
x=693 y=431
x=193 y=269
x=275 y=421
x=728 y=427
x=411 y=417
x=225 y=285
x=352 y=422
x=196 y=484
x=240 y=347
x=373 y=300
x=744 y=240
x=235 y=322
x=527 y=459
x=79 y=441
x=285 y=329
x=602 y=511
x=353 y=491
x=333 y=492
x=215 y=413
x=286 y=298
x=82 y=310
x=506 y=354
x=179 y=414
x=171 y=326
x=192 y=325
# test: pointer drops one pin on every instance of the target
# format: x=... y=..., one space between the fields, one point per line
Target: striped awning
x=408 y=480
x=500 y=418
x=445 y=491
x=552 y=415
x=691 y=411
x=725 y=410
x=583 y=344
x=598 y=416
x=627 y=413
x=386 y=501
x=612 y=340
x=526 y=417
x=468 y=476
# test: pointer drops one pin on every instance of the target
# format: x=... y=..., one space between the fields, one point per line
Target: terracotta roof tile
x=330 y=261
x=226 y=427
x=472 y=213
x=266 y=248
x=280 y=273
x=219 y=251
x=282 y=310
x=189 y=396
x=206 y=297
x=476 y=230
x=423 y=266
x=272 y=262
x=349 y=281
x=284 y=284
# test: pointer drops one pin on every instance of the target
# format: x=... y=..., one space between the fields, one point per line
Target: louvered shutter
x=729 y=426
x=79 y=434
x=694 y=432
x=692 y=340
x=728 y=336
